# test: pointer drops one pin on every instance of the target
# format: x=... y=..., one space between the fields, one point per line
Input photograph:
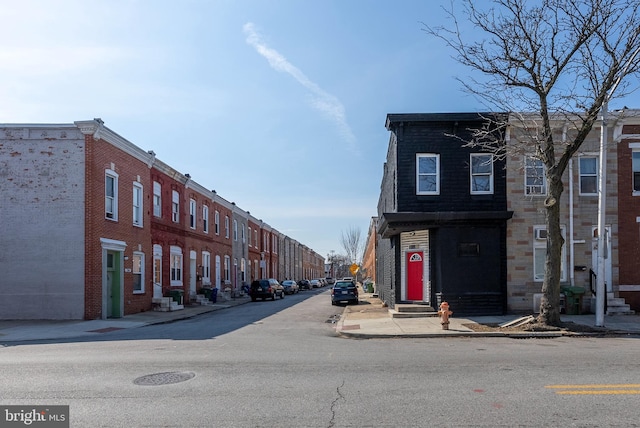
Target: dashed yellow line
x=597 y=389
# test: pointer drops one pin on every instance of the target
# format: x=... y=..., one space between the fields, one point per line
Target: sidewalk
x=369 y=319
x=25 y=330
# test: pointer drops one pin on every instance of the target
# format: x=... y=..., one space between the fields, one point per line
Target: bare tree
x=557 y=63
x=352 y=243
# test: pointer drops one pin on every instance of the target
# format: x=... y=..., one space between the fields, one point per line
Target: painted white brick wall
x=42 y=191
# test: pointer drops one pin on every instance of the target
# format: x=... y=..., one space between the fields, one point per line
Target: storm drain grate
x=333 y=319
x=165 y=378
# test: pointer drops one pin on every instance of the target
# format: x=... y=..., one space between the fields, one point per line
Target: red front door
x=414 y=275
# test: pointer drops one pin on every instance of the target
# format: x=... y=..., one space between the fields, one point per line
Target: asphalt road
x=280 y=364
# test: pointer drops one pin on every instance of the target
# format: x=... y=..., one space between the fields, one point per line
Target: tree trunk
x=550 y=305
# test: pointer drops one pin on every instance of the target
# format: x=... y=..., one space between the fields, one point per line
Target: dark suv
x=266 y=288
x=344 y=291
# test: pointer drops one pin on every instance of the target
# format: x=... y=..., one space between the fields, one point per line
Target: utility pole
x=602 y=183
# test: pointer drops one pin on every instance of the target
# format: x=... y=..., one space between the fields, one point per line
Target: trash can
x=206 y=291
x=573 y=299
x=177 y=296
x=214 y=295
x=370 y=287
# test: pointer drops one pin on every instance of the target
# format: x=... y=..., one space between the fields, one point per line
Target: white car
x=315 y=283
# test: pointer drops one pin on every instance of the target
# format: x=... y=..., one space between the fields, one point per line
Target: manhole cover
x=166 y=378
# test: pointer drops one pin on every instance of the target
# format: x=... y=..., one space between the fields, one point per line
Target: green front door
x=114 y=285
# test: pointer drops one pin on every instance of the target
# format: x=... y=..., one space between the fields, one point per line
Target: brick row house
x=478 y=222
x=95 y=227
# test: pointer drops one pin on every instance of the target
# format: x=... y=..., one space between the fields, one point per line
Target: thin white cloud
x=326 y=103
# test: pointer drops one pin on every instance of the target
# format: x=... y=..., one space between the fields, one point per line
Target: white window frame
x=244 y=233
x=111 y=199
x=206 y=268
x=216 y=222
x=157 y=199
x=176 y=266
x=175 y=206
x=137 y=270
x=193 y=206
x=533 y=187
x=435 y=174
x=235 y=230
x=243 y=272
x=250 y=236
x=226 y=226
x=205 y=218
x=476 y=175
x=591 y=175
x=539 y=254
x=137 y=204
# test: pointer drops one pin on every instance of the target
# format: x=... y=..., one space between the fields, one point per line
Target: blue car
x=344 y=291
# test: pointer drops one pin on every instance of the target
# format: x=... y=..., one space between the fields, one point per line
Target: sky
x=278 y=105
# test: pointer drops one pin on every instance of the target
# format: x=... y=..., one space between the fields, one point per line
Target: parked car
x=330 y=280
x=290 y=287
x=266 y=288
x=304 y=284
x=315 y=283
x=344 y=291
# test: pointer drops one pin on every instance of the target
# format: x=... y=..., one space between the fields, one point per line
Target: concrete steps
x=202 y=300
x=165 y=304
x=618 y=306
x=412 y=310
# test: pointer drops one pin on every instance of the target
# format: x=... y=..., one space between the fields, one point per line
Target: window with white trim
x=216 y=222
x=206 y=268
x=175 y=206
x=193 y=206
x=540 y=253
x=427 y=174
x=588 y=167
x=205 y=218
x=243 y=272
x=481 y=173
x=255 y=239
x=226 y=226
x=111 y=195
x=244 y=235
x=138 y=272
x=235 y=230
x=635 y=166
x=176 y=266
x=137 y=204
x=250 y=235
x=157 y=199
x=535 y=182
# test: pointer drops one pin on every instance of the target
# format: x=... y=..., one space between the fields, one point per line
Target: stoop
x=412 y=310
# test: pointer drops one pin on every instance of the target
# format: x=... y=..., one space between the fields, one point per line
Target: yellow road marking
x=597 y=389
x=601 y=392
x=605 y=385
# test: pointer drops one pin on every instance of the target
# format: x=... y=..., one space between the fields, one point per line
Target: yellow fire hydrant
x=444 y=313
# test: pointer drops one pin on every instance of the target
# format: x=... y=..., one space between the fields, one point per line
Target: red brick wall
x=628 y=211
x=100 y=157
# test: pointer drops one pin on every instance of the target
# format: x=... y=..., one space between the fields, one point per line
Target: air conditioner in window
x=541 y=234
